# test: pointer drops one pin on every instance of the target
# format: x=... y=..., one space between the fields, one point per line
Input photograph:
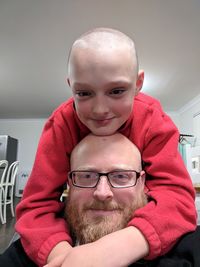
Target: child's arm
x=39 y=221
x=171 y=212
x=118 y=249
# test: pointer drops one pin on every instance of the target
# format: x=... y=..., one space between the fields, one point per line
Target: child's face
x=103 y=86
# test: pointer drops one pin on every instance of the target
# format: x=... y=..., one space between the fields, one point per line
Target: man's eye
x=86 y=176
x=121 y=176
x=117 y=91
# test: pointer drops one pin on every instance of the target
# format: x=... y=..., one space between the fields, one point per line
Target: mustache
x=95 y=205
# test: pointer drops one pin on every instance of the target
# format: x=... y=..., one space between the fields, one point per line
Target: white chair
x=3 y=170
x=9 y=188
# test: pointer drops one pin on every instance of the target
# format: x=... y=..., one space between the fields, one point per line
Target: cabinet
x=8 y=148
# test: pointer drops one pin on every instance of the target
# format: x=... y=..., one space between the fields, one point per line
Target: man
x=106 y=186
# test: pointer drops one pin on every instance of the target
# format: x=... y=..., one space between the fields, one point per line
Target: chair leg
x=1 y=216
x=11 y=204
x=2 y=205
x=5 y=194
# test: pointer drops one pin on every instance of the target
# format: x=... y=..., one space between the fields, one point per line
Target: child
x=105 y=81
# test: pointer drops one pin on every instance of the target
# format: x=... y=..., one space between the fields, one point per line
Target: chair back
x=3 y=170
x=12 y=173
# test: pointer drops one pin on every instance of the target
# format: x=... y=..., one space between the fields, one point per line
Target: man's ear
x=143 y=177
x=139 y=82
x=69 y=183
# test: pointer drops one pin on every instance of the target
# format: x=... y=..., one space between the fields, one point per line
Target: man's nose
x=103 y=190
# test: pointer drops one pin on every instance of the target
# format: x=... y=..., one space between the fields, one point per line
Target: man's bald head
x=116 y=149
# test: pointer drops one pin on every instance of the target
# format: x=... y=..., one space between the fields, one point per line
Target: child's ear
x=139 y=82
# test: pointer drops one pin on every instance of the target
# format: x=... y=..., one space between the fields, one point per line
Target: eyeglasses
x=117 y=179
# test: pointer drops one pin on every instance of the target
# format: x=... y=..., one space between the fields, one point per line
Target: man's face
x=95 y=212
x=103 y=85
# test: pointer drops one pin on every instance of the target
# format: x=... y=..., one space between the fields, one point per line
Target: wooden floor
x=7 y=229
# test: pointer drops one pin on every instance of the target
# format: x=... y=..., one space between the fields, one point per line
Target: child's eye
x=82 y=94
x=117 y=91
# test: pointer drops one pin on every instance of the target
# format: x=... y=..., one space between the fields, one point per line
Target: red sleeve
x=38 y=221
x=171 y=211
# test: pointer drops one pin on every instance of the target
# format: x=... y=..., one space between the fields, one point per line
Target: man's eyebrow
x=87 y=168
x=118 y=167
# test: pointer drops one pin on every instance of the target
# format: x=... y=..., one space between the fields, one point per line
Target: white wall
x=28 y=132
x=186 y=116
x=183 y=118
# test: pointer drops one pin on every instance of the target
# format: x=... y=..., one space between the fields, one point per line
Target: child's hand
x=58 y=254
x=84 y=256
x=78 y=256
x=57 y=261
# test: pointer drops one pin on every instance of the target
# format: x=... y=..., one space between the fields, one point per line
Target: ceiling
x=36 y=35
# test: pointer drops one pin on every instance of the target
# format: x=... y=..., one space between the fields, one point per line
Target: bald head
x=103 y=38
x=102 y=41
x=106 y=153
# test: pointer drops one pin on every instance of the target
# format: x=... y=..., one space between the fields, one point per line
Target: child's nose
x=103 y=190
x=100 y=106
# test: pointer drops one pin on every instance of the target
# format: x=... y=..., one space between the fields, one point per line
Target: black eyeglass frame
x=100 y=174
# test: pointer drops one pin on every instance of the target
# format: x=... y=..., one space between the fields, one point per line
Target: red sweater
x=169 y=214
